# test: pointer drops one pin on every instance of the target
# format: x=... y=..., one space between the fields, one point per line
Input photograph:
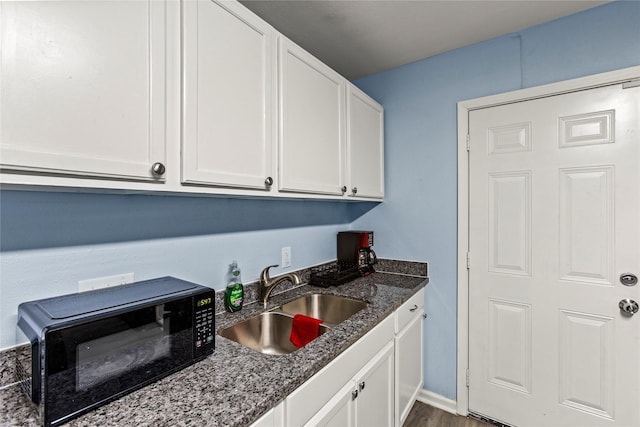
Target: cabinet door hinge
x=468 y=260
x=467 y=378
x=468 y=142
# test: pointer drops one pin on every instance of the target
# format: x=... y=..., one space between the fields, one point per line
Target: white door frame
x=464 y=107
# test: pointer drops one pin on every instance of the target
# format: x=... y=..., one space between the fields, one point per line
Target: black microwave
x=90 y=348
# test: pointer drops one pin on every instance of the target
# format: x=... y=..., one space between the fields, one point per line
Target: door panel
x=586 y=244
x=554 y=221
x=509 y=223
x=509 y=351
x=586 y=363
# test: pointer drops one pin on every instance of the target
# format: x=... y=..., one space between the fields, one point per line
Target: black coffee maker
x=354 y=251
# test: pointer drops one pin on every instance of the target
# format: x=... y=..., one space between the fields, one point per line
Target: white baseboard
x=437 y=400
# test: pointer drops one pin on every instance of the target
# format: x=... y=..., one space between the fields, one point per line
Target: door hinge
x=467 y=378
x=468 y=142
x=468 y=260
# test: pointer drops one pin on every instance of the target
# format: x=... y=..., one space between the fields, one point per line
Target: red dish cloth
x=304 y=330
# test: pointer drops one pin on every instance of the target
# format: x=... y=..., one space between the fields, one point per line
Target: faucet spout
x=267 y=283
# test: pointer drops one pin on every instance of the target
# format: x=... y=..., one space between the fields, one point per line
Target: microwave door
x=115 y=354
x=106 y=358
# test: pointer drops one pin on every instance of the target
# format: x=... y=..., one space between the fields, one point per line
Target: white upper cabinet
x=191 y=96
x=83 y=88
x=365 y=145
x=312 y=114
x=228 y=96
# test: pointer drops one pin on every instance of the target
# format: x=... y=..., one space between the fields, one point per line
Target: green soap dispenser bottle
x=234 y=294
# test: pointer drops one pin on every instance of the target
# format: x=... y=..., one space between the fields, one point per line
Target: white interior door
x=554 y=221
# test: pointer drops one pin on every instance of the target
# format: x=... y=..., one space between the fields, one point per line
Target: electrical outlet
x=104 y=282
x=286 y=257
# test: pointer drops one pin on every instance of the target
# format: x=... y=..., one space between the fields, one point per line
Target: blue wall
x=418 y=218
x=50 y=241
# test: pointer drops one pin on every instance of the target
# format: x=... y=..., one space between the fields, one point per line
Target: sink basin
x=267 y=333
x=330 y=308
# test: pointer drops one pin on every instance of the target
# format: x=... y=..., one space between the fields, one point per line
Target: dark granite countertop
x=236 y=385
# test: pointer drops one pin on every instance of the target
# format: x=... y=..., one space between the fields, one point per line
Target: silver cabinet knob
x=354 y=394
x=354 y=190
x=628 y=306
x=361 y=386
x=344 y=188
x=268 y=182
x=158 y=169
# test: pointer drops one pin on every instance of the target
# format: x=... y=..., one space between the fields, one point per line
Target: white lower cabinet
x=373 y=383
x=408 y=355
x=366 y=400
x=273 y=418
x=313 y=396
x=339 y=411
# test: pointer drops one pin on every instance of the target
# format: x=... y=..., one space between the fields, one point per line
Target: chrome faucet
x=267 y=283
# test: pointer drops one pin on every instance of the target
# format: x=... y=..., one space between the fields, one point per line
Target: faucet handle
x=296 y=278
x=265 y=273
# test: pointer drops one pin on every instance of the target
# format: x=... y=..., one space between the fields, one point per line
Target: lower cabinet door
x=408 y=374
x=273 y=418
x=367 y=400
x=339 y=411
x=375 y=385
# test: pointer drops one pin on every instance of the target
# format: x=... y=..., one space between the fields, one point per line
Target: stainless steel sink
x=330 y=308
x=267 y=333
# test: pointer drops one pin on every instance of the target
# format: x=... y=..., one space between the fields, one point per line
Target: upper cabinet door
x=365 y=145
x=311 y=139
x=229 y=96
x=83 y=88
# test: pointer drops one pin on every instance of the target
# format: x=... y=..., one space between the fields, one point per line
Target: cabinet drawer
x=409 y=310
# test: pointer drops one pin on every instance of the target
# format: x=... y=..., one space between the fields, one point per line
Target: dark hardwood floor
x=423 y=415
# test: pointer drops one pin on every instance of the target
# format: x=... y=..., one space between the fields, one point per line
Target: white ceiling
x=362 y=37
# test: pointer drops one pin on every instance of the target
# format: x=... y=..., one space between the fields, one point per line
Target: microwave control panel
x=204 y=327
